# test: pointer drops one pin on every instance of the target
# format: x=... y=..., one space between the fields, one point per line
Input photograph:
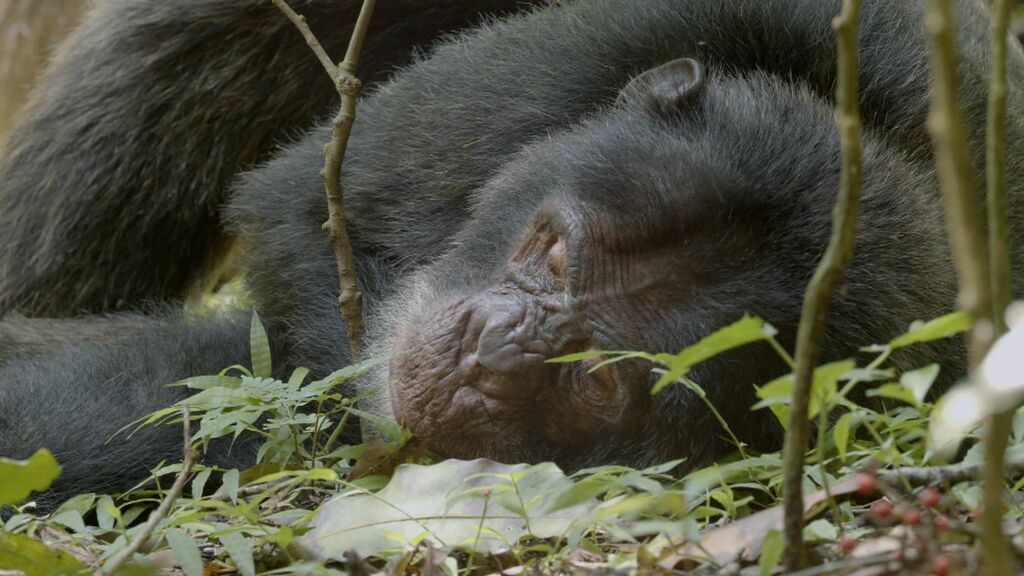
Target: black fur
x=680 y=220
x=75 y=398
x=147 y=113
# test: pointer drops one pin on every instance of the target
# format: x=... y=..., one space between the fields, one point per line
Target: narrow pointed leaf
x=259 y=347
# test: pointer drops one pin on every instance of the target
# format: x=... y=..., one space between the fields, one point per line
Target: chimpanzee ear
x=669 y=88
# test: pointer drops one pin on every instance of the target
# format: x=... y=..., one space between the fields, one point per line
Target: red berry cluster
x=927 y=510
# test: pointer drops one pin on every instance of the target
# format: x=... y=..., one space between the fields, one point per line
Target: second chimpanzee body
x=543 y=185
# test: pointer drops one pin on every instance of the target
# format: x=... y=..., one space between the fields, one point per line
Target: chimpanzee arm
x=22 y=338
x=74 y=399
x=111 y=186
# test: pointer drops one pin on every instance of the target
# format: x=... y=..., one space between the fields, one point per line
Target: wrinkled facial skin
x=647 y=228
x=475 y=368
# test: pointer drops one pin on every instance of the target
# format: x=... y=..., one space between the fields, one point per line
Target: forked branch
x=350 y=298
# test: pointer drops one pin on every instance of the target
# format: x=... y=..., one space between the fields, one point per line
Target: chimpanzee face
x=646 y=228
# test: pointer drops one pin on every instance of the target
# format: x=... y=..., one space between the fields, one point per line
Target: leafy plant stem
x=718 y=415
x=479 y=532
x=519 y=496
x=316 y=431
x=336 y=433
x=782 y=352
x=822 y=457
x=874 y=365
x=1000 y=269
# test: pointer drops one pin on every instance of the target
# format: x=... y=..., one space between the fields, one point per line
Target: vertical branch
x=995 y=165
x=977 y=290
x=1000 y=425
x=946 y=125
x=350 y=298
x=830 y=270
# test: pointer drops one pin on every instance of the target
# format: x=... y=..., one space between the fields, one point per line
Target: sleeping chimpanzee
x=601 y=174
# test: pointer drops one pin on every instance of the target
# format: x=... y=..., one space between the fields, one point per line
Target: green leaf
x=107 y=514
x=71 y=519
x=778 y=393
x=825 y=387
x=298 y=377
x=348 y=372
x=236 y=367
x=136 y=425
x=199 y=482
x=1018 y=427
x=975 y=455
x=893 y=391
x=841 y=435
x=779 y=389
x=744 y=331
x=580 y=356
x=706 y=479
x=186 y=552
x=215 y=398
x=775 y=396
x=724 y=497
x=19 y=478
x=21 y=553
x=259 y=348
x=670 y=376
x=820 y=530
x=387 y=428
x=204 y=382
x=230 y=480
x=771 y=552
x=132 y=514
x=869 y=374
x=628 y=356
x=444 y=502
x=920 y=381
x=583 y=491
x=240 y=552
x=664 y=468
x=941 y=327
x=954 y=417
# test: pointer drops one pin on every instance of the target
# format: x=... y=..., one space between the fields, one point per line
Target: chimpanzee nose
x=511 y=341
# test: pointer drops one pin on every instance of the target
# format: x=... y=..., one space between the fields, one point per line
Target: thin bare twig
x=350 y=298
x=932 y=475
x=848 y=565
x=1000 y=425
x=300 y=23
x=830 y=270
x=190 y=457
x=1000 y=270
x=953 y=162
x=964 y=224
x=980 y=293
